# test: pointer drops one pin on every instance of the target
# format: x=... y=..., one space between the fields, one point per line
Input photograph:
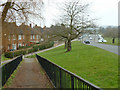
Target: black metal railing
x=9 y=68
x=62 y=78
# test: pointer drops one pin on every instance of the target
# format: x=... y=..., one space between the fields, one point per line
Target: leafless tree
x=75 y=21
x=22 y=12
x=111 y=32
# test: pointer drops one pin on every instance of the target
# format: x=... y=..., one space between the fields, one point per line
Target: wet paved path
x=30 y=75
x=110 y=48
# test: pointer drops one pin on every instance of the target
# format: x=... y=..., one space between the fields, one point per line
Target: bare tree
x=111 y=32
x=14 y=11
x=75 y=21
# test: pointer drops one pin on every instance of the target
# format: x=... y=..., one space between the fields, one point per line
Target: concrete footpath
x=30 y=75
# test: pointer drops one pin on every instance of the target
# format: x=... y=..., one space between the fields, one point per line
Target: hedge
x=26 y=51
x=14 y=53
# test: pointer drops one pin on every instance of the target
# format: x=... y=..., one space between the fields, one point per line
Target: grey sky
x=106 y=11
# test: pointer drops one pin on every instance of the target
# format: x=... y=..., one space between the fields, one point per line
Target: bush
x=43 y=46
x=26 y=51
x=35 y=48
x=15 y=53
x=23 y=47
x=9 y=54
x=30 y=50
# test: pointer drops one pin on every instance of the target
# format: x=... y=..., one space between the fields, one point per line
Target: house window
x=19 y=44
x=19 y=37
x=33 y=36
x=8 y=47
x=14 y=46
x=14 y=37
x=23 y=44
x=23 y=36
x=37 y=36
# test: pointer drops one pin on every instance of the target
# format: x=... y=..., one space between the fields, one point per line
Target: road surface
x=111 y=48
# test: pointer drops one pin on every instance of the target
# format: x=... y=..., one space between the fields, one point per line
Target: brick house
x=14 y=36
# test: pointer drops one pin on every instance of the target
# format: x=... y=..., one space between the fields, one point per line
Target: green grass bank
x=96 y=65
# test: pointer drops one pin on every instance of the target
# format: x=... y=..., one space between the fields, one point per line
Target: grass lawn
x=3 y=58
x=109 y=41
x=96 y=65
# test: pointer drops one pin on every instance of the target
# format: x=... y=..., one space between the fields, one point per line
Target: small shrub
x=9 y=54
x=15 y=53
x=26 y=51
x=24 y=47
x=30 y=50
x=35 y=48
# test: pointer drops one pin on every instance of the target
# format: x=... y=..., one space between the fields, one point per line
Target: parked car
x=87 y=42
x=11 y=50
x=90 y=38
x=102 y=40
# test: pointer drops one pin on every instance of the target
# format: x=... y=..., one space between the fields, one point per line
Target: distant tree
x=101 y=30
x=14 y=11
x=74 y=21
x=111 y=32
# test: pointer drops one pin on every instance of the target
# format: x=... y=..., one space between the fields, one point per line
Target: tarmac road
x=111 y=48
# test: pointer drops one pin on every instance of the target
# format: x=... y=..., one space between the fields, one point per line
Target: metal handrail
x=8 y=68
x=44 y=62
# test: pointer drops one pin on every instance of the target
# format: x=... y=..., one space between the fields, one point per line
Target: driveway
x=111 y=48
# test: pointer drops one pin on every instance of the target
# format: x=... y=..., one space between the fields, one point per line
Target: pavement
x=43 y=50
x=30 y=75
x=110 y=48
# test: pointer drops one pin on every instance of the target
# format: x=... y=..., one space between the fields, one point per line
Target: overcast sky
x=106 y=11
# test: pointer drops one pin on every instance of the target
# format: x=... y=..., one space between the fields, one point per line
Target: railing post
x=60 y=79
x=72 y=82
x=55 y=75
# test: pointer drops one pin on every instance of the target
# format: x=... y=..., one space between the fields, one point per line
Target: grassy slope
x=98 y=66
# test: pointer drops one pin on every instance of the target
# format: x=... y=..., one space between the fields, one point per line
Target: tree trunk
x=69 y=46
x=65 y=44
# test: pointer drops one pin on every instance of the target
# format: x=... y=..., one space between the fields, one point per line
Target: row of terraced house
x=14 y=36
